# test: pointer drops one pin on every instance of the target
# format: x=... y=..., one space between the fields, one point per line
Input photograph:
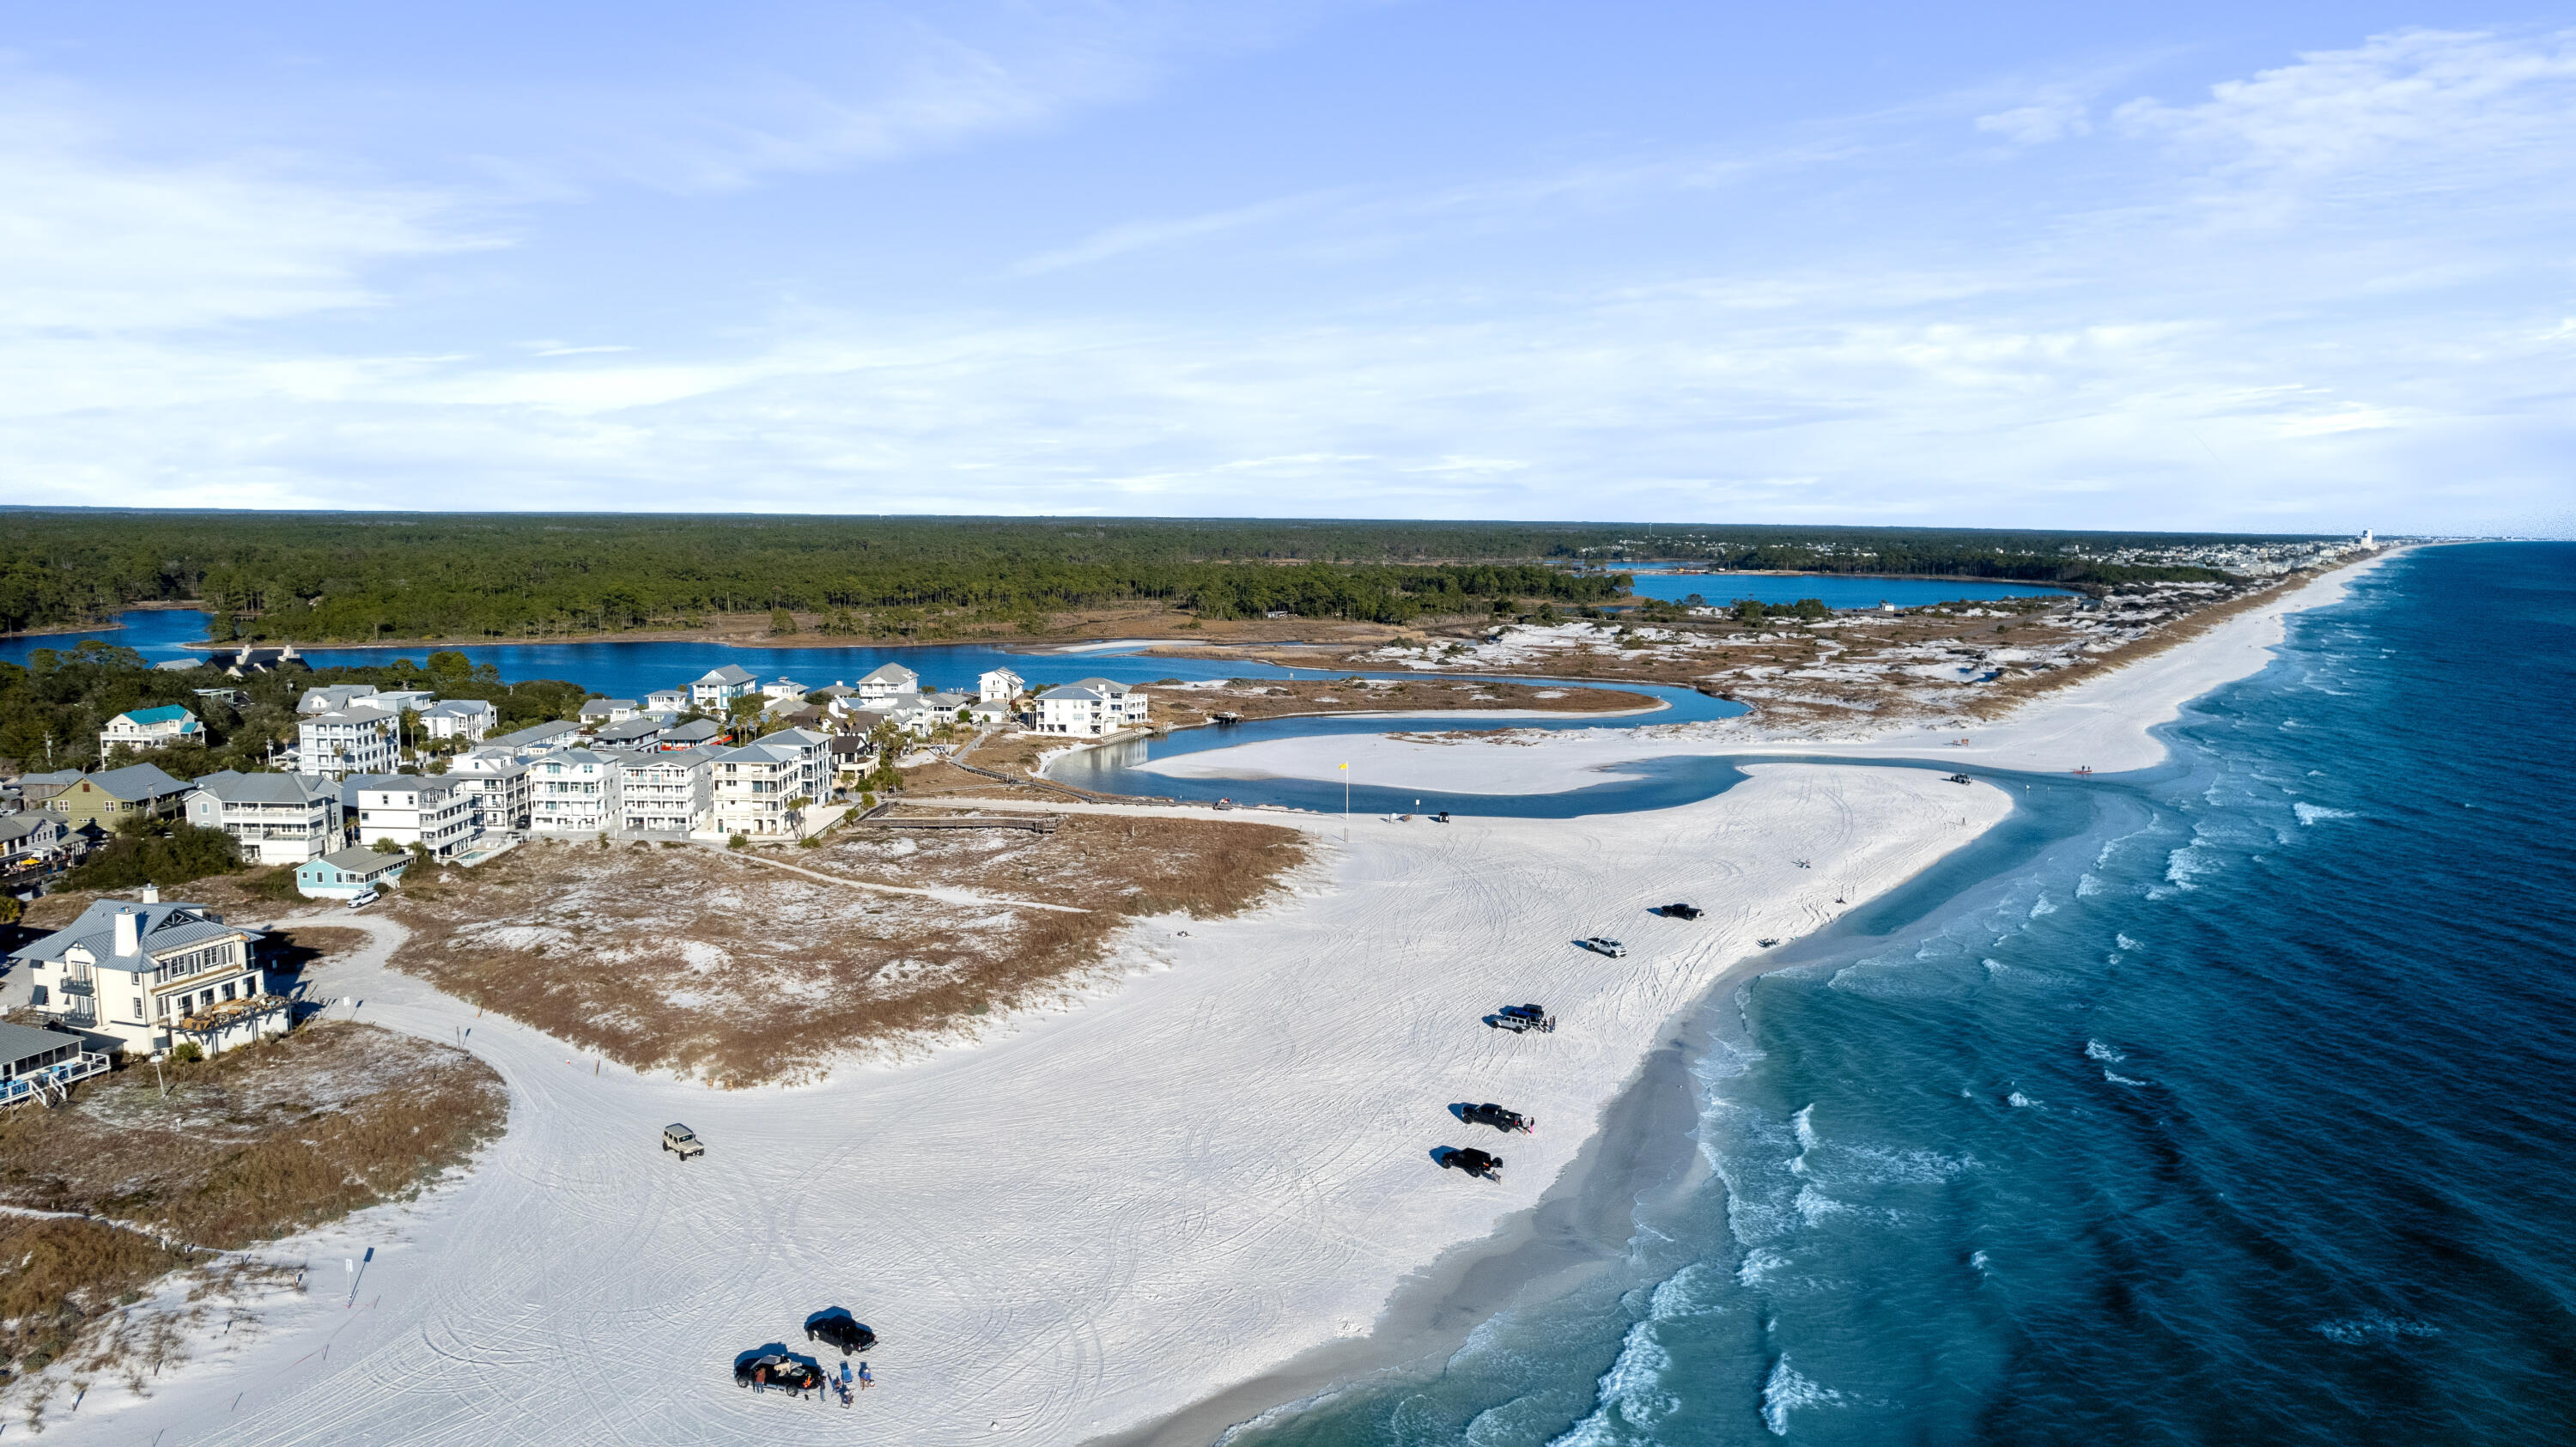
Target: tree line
x=345 y=578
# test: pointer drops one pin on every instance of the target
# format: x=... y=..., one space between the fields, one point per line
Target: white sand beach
x=1094 y=1218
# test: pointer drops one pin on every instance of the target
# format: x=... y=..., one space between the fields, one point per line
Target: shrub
x=187 y=1053
x=738 y=842
x=278 y=884
x=140 y=854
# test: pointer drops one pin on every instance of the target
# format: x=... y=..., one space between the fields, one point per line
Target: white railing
x=51 y=1083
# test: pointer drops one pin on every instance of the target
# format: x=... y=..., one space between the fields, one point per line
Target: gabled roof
x=692 y=731
x=729 y=674
x=135 y=782
x=20 y=825
x=1105 y=687
x=643 y=727
x=605 y=706
x=891 y=673
x=355 y=714
x=163 y=927
x=458 y=708
x=234 y=787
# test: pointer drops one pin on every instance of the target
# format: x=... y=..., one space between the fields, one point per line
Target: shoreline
x=1435 y=1311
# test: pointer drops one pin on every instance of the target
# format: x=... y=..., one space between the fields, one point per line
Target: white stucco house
x=574 y=791
x=470 y=719
x=1090 y=708
x=435 y=811
x=355 y=740
x=999 y=685
x=886 y=685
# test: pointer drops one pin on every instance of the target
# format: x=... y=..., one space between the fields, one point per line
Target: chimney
x=151 y=894
x=129 y=941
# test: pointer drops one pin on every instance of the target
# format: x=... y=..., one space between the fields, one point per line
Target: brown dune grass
x=716 y=967
x=260 y=1141
x=63 y=1275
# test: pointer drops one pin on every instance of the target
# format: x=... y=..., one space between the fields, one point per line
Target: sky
x=2274 y=268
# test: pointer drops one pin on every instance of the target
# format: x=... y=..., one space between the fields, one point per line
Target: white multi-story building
x=762 y=789
x=778 y=688
x=1090 y=708
x=667 y=701
x=150 y=728
x=332 y=697
x=573 y=791
x=718 y=687
x=354 y=740
x=667 y=792
x=887 y=685
x=923 y=713
x=608 y=710
x=141 y=977
x=435 y=811
x=470 y=719
x=999 y=685
x=535 y=739
x=276 y=818
x=498 y=780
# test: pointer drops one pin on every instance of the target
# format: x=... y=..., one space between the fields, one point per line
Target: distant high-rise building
x=2365 y=538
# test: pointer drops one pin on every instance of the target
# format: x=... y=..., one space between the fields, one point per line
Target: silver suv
x=677 y=1137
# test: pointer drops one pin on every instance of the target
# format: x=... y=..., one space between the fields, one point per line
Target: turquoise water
x=2227 y=1103
x=1836 y=590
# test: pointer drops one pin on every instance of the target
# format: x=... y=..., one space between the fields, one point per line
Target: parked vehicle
x=1497 y=1117
x=363 y=898
x=1475 y=1163
x=1766 y=944
x=783 y=1370
x=1520 y=1019
x=1602 y=945
x=1678 y=910
x=677 y=1137
x=1961 y=779
x=834 y=1326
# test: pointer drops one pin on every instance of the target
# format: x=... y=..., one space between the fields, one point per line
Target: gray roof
x=1105 y=687
x=532 y=734
x=696 y=730
x=136 y=782
x=354 y=714
x=891 y=673
x=234 y=787
x=458 y=708
x=625 y=730
x=731 y=673
x=164 y=927
x=25 y=1042
x=60 y=778
x=20 y=825
x=604 y=706
x=362 y=861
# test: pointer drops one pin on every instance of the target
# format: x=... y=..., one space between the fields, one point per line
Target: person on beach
x=865 y=1381
x=760 y=1380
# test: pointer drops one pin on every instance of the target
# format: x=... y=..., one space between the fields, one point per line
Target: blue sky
x=2188 y=265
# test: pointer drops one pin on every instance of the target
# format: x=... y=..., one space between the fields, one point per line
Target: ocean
x=2227 y=1102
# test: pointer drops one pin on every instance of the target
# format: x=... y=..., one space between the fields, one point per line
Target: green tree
x=781 y=621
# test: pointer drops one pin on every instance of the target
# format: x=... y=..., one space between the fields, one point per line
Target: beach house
x=273 y=818
x=433 y=811
x=141 y=977
x=888 y=685
x=999 y=685
x=33 y=839
x=150 y=728
x=109 y=796
x=666 y=791
x=762 y=789
x=719 y=687
x=1090 y=708
x=498 y=780
x=573 y=791
x=353 y=740
x=470 y=719
x=534 y=740
x=324 y=698
x=608 y=710
x=348 y=873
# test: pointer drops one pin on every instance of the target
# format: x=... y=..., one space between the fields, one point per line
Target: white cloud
x=93 y=237
x=2038 y=124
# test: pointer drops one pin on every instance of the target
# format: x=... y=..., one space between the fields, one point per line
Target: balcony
x=226 y=1013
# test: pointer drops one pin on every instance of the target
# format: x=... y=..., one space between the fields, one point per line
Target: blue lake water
x=631 y=670
x=1836 y=590
x=2225 y=1103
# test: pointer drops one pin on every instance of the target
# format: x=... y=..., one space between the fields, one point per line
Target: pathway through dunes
x=1091 y=1219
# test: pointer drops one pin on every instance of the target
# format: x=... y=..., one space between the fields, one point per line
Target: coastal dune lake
x=2232 y=1109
